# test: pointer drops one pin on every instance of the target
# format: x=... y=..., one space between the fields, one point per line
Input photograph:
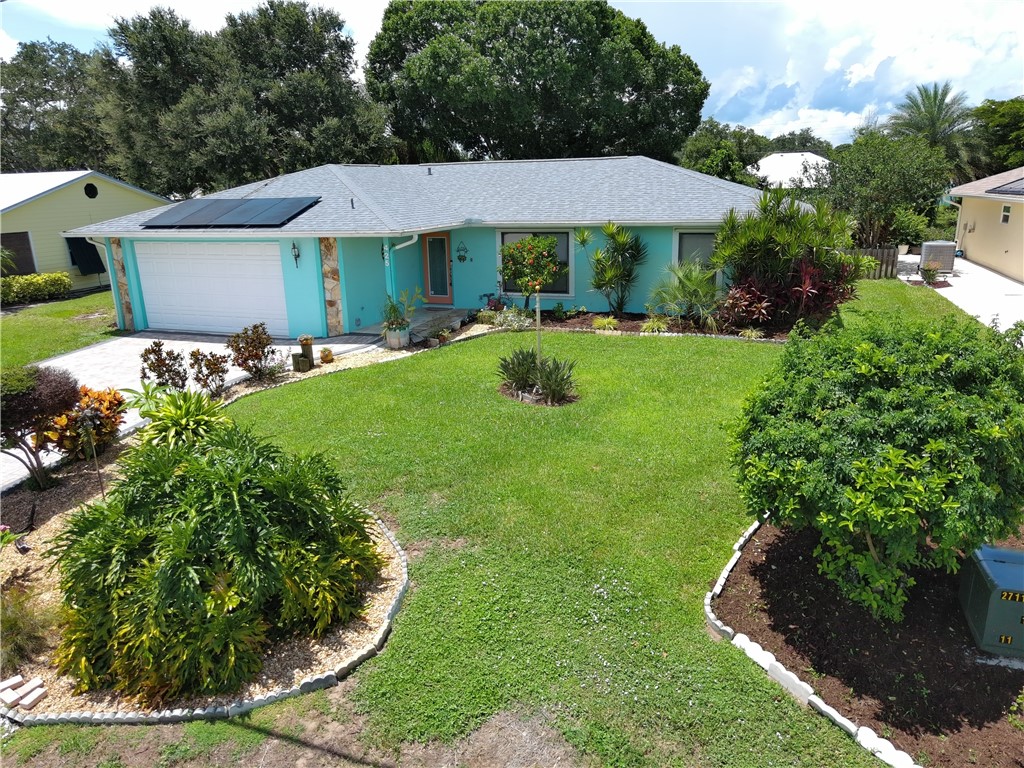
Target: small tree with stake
x=530 y=264
x=30 y=399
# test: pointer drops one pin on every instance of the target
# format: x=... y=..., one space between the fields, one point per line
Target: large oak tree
x=513 y=80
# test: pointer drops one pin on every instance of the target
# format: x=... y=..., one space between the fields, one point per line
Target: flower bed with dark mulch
x=916 y=684
x=632 y=323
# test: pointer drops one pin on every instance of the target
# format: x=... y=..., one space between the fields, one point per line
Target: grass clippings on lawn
x=915 y=683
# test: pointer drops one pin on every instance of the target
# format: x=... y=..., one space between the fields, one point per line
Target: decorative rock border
x=793 y=685
x=234 y=709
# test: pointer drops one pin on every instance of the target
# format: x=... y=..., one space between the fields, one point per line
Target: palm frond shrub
x=615 y=268
x=791 y=260
x=202 y=555
x=688 y=292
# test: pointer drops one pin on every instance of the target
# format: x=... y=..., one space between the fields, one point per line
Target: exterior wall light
x=462 y=251
x=295 y=254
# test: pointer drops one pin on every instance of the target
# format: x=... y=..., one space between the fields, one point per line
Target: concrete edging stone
x=791 y=683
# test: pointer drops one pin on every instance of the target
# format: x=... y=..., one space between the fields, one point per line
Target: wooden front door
x=437 y=268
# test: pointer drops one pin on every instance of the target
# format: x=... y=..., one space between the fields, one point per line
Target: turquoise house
x=317 y=251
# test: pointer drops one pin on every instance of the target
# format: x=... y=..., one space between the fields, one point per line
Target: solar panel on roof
x=205 y=214
x=282 y=212
x=232 y=213
x=1015 y=187
x=175 y=213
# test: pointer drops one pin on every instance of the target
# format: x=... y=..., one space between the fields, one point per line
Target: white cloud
x=833 y=125
x=945 y=40
x=8 y=45
x=838 y=52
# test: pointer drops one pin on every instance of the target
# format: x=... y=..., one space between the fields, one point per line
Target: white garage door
x=216 y=287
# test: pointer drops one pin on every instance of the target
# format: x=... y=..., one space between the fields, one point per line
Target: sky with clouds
x=773 y=66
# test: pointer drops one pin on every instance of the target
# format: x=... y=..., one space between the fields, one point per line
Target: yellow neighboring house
x=35 y=208
x=990 y=228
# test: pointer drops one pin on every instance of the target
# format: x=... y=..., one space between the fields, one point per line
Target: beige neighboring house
x=35 y=208
x=990 y=227
x=786 y=169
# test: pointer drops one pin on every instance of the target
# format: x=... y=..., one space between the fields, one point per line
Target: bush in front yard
x=788 y=261
x=201 y=555
x=23 y=289
x=903 y=445
x=252 y=350
x=104 y=409
x=165 y=367
x=30 y=398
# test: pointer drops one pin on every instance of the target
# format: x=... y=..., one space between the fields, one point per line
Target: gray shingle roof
x=399 y=199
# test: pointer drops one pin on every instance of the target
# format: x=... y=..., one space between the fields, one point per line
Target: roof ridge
x=364 y=198
x=712 y=180
x=521 y=160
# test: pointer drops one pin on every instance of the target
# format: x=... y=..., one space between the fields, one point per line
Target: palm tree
x=941 y=118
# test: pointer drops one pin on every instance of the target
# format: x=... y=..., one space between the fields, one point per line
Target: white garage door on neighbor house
x=212 y=287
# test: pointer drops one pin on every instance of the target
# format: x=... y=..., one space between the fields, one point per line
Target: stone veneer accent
x=332 y=285
x=791 y=684
x=122 y=284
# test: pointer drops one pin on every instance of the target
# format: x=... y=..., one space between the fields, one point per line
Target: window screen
x=696 y=246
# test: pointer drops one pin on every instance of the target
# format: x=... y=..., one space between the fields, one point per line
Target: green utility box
x=992 y=596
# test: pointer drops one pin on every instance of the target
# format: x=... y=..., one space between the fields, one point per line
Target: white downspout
x=410 y=241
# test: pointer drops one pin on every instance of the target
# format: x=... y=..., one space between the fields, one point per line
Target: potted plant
x=326 y=355
x=398 y=317
x=306 y=344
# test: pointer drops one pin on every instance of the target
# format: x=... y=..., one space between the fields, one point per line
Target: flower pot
x=903 y=250
x=307 y=351
x=397 y=339
x=326 y=356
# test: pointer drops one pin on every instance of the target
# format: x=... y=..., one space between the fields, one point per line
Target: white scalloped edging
x=234 y=709
x=793 y=685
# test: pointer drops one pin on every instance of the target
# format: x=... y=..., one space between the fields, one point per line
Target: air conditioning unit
x=941 y=252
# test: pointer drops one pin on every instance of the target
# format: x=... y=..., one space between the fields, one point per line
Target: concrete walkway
x=116 y=363
x=978 y=291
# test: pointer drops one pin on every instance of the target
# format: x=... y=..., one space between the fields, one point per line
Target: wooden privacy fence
x=886 y=258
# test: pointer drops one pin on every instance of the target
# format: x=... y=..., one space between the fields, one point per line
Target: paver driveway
x=116 y=363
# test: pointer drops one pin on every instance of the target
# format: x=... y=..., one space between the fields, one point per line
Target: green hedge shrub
x=23 y=289
x=903 y=445
x=200 y=556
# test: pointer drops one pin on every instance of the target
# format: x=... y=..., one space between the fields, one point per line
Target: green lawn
x=895 y=297
x=568 y=549
x=36 y=333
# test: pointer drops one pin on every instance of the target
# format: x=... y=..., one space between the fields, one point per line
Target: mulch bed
x=631 y=323
x=915 y=683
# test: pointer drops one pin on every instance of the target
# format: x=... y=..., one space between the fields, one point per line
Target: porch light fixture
x=462 y=251
x=295 y=254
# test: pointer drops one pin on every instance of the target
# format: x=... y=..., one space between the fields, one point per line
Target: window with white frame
x=1005 y=219
x=695 y=246
x=560 y=285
